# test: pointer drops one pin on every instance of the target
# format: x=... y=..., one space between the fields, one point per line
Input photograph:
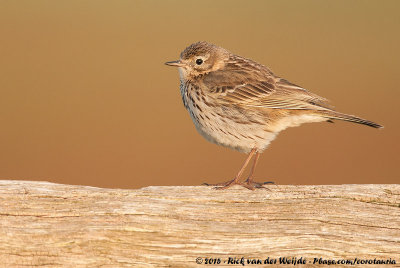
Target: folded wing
x=247 y=83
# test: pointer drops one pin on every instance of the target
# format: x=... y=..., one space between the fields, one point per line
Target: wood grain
x=52 y=225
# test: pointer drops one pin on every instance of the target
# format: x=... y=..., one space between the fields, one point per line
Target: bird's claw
x=249 y=184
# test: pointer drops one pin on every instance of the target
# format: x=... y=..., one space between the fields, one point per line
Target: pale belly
x=238 y=128
x=230 y=128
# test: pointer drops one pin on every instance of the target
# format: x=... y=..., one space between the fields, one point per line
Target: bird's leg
x=249 y=183
x=227 y=184
x=239 y=174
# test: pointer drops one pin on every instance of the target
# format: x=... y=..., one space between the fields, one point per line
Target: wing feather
x=246 y=83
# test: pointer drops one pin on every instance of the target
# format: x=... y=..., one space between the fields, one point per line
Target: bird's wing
x=256 y=86
x=291 y=96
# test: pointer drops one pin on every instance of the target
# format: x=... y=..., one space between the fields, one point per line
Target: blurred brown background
x=86 y=97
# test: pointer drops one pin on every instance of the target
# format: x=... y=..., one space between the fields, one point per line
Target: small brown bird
x=238 y=103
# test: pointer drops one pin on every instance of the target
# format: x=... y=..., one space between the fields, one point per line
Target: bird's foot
x=217 y=184
x=249 y=184
x=225 y=184
x=252 y=185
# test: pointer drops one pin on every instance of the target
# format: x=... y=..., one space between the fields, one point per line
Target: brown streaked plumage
x=241 y=104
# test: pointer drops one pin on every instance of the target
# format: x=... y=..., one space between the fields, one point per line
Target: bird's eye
x=199 y=61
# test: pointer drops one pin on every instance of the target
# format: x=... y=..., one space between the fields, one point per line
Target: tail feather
x=350 y=118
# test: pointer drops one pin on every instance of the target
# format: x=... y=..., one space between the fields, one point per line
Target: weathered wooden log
x=50 y=224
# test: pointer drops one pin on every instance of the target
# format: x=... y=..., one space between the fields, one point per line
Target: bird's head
x=200 y=58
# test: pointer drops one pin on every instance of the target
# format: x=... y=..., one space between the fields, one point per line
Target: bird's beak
x=176 y=63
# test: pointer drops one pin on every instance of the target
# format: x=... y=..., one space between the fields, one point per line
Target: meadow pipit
x=241 y=104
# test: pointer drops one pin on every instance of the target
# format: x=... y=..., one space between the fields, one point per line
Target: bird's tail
x=346 y=117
